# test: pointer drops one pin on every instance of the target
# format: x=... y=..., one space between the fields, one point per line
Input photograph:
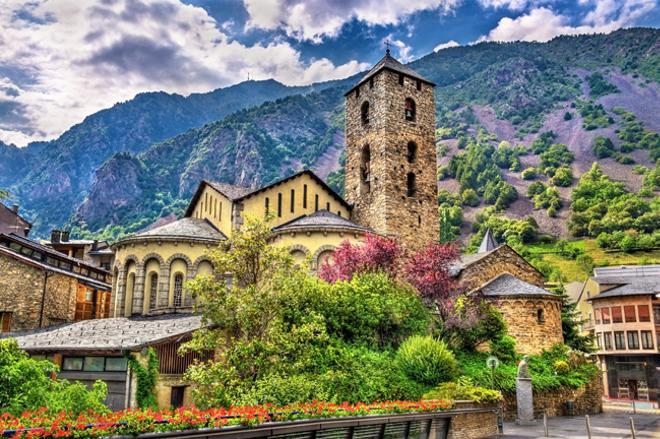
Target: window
x=617 y=317
x=220 y=211
x=153 y=291
x=643 y=312
x=279 y=204
x=606 y=316
x=656 y=314
x=371 y=82
x=607 y=339
x=94 y=364
x=357 y=92
x=5 y=321
x=316 y=202
x=365 y=168
x=633 y=340
x=412 y=152
x=419 y=84
x=629 y=313
x=178 y=289
x=364 y=112
x=72 y=363
x=599 y=340
x=267 y=205
x=400 y=79
x=305 y=196
x=410 y=192
x=327 y=207
x=540 y=318
x=293 y=199
x=647 y=340
x=89 y=295
x=116 y=364
x=619 y=340
x=597 y=315
x=410 y=109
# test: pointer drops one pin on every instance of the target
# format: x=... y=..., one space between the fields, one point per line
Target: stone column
x=187 y=301
x=164 y=287
x=524 y=395
x=120 y=294
x=138 y=290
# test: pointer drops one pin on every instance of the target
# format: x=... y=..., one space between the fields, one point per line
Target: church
x=391 y=190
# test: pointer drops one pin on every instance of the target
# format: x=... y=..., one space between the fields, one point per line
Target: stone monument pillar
x=524 y=397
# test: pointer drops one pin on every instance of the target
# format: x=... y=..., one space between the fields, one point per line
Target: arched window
x=410 y=184
x=410 y=109
x=153 y=291
x=412 y=152
x=178 y=289
x=364 y=112
x=539 y=315
x=267 y=205
x=365 y=168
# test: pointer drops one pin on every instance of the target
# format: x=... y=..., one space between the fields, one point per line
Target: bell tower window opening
x=365 y=168
x=539 y=316
x=410 y=109
x=178 y=289
x=364 y=112
x=400 y=79
x=419 y=85
x=410 y=192
x=412 y=152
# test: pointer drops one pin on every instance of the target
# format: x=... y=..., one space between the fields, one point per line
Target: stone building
x=391 y=176
x=12 y=222
x=97 y=253
x=622 y=308
x=40 y=286
x=515 y=287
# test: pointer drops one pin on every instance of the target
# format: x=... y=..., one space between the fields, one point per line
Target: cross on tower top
x=387 y=45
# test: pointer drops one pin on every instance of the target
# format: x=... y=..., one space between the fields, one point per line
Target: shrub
x=459 y=391
x=563 y=177
x=469 y=197
x=504 y=348
x=426 y=360
x=529 y=174
x=568 y=116
x=561 y=366
x=602 y=147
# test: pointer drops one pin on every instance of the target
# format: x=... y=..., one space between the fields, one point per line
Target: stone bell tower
x=391 y=170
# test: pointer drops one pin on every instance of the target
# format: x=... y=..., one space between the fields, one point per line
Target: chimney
x=95 y=245
x=55 y=236
x=65 y=236
x=14 y=208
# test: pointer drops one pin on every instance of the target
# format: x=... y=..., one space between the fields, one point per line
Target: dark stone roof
x=390 y=63
x=629 y=280
x=488 y=243
x=321 y=220
x=185 y=228
x=230 y=191
x=507 y=284
x=113 y=334
x=467 y=260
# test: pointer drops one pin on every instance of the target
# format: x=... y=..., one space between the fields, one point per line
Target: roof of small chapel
x=321 y=219
x=388 y=62
x=186 y=228
x=112 y=334
x=508 y=285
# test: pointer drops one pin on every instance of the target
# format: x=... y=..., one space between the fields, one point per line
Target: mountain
x=52 y=182
x=515 y=92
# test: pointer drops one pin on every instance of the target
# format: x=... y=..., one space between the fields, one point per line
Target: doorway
x=176 y=398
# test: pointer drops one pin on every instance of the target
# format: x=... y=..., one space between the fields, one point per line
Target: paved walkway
x=603 y=426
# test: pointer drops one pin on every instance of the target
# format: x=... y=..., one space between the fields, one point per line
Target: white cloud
x=315 y=19
x=447 y=45
x=543 y=24
x=62 y=60
x=403 y=51
x=513 y=5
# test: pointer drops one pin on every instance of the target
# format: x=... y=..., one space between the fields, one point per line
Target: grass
x=574 y=272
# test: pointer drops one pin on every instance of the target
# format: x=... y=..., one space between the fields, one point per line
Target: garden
x=378 y=324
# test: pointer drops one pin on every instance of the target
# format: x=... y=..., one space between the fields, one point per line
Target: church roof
x=185 y=228
x=388 y=62
x=118 y=333
x=488 y=243
x=507 y=284
x=322 y=219
x=239 y=193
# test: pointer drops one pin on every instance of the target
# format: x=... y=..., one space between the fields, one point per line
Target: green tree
x=563 y=177
x=603 y=147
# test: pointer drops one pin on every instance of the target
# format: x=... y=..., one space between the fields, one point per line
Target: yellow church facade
x=151 y=267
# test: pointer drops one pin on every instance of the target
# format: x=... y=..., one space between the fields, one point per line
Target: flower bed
x=133 y=422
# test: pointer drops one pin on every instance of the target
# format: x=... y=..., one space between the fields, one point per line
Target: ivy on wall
x=146 y=379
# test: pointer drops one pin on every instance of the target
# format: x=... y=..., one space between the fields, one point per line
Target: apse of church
x=391 y=170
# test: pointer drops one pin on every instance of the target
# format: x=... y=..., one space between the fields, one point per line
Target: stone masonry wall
x=521 y=316
x=385 y=207
x=21 y=292
x=502 y=260
x=473 y=425
x=587 y=401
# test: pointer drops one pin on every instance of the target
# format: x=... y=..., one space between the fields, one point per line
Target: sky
x=62 y=60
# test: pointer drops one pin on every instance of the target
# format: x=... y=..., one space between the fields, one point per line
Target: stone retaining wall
x=588 y=400
x=473 y=425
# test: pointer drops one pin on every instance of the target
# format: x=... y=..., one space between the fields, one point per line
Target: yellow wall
x=255 y=205
x=314 y=243
x=215 y=207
